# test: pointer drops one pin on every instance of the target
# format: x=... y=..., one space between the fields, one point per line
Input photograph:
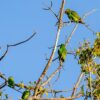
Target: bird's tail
x=90 y=29
x=80 y=21
x=87 y=26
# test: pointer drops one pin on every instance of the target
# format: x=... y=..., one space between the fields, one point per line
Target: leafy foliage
x=96 y=48
x=89 y=66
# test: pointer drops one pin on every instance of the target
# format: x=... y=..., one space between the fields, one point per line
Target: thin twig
x=5 y=83
x=16 y=44
x=4 y=54
x=50 y=9
x=51 y=76
x=58 y=91
x=69 y=98
x=22 y=41
x=87 y=14
x=70 y=36
x=77 y=84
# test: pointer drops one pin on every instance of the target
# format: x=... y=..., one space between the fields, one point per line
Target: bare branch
x=4 y=54
x=77 y=84
x=16 y=44
x=54 y=50
x=51 y=76
x=69 y=98
x=87 y=14
x=50 y=9
x=58 y=91
x=5 y=83
x=70 y=36
x=22 y=41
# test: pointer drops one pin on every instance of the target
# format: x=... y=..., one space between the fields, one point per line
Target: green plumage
x=25 y=95
x=62 y=52
x=73 y=16
x=11 y=81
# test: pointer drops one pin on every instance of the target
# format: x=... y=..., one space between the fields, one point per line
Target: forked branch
x=53 y=51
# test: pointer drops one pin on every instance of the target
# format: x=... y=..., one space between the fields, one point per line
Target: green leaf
x=98 y=34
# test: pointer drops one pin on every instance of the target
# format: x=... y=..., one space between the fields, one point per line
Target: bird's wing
x=75 y=14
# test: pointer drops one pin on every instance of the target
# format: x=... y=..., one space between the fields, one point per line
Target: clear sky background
x=20 y=18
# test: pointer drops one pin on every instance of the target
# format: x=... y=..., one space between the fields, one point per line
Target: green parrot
x=73 y=16
x=25 y=95
x=62 y=52
x=11 y=81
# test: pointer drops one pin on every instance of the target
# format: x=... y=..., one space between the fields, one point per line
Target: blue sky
x=20 y=18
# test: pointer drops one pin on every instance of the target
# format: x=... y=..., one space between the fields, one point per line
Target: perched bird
x=73 y=16
x=62 y=52
x=11 y=81
x=25 y=95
